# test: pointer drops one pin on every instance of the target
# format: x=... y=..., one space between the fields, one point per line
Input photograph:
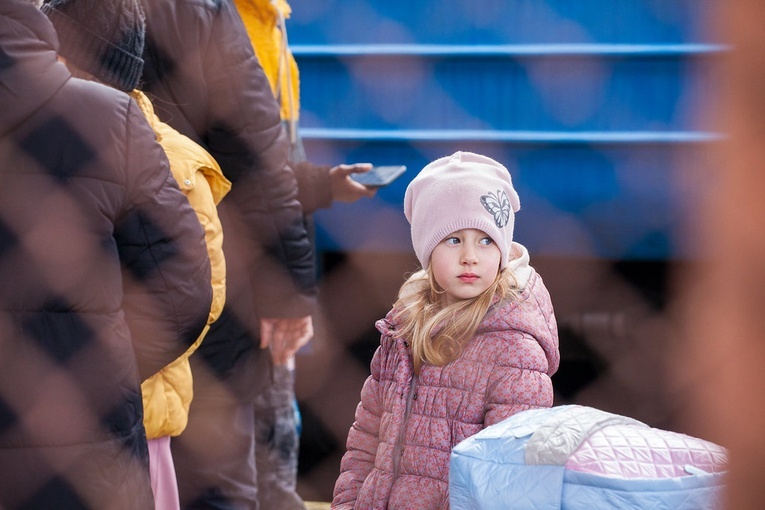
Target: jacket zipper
x=398 y=451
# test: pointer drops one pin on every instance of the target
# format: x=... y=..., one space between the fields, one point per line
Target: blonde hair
x=437 y=332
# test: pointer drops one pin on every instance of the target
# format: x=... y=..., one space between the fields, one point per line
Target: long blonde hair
x=437 y=332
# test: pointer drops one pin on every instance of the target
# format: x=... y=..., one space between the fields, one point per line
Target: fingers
x=266 y=332
x=357 y=190
x=356 y=168
x=288 y=336
x=345 y=189
x=360 y=168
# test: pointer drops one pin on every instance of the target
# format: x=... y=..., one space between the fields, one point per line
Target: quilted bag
x=579 y=458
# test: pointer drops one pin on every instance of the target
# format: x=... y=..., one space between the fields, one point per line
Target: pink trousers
x=163 y=481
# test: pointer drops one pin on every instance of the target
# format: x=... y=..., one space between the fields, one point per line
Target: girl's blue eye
x=487 y=240
x=451 y=240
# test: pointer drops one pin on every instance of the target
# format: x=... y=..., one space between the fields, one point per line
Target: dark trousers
x=276 y=443
x=215 y=456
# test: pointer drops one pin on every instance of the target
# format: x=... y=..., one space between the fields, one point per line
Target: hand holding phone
x=379 y=176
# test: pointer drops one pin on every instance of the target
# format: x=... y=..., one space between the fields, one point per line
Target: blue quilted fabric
x=520 y=463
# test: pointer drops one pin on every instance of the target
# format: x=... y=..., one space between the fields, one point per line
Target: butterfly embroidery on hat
x=499 y=206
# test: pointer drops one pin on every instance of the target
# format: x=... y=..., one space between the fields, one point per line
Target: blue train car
x=595 y=106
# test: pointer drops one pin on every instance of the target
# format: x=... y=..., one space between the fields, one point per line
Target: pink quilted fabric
x=405 y=428
x=627 y=451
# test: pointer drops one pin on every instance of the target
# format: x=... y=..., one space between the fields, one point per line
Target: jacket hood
x=519 y=264
x=29 y=71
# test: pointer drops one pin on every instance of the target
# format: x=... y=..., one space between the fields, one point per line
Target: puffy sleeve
x=166 y=269
x=207 y=83
x=363 y=440
x=246 y=137
x=527 y=355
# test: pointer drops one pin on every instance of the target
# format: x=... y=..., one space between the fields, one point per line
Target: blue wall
x=595 y=106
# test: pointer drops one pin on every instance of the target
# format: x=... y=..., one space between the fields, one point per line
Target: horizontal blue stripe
x=403 y=135
x=513 y=50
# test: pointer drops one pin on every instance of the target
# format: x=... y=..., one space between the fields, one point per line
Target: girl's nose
x=468 y=256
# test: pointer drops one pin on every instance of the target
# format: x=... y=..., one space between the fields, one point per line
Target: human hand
x=285 y=337
x=345 y=189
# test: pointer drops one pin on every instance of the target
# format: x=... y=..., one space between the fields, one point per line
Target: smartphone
x=379 y=176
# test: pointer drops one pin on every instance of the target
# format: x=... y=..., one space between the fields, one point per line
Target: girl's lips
x=468 y=277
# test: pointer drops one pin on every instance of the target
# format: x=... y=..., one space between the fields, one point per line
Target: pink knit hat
x=464 y=190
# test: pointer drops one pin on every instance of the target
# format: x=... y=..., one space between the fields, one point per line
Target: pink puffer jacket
x=406 y=426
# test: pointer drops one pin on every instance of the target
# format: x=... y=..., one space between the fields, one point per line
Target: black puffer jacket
x=96 y=242
x=205 y=81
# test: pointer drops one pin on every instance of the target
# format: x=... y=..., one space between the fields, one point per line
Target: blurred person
x=167 y=396
x=105 y=277
x=204 y=80
x=471 y=340
x=318 y=185
x=276 y=412
x=722 y=295
x=88 y=30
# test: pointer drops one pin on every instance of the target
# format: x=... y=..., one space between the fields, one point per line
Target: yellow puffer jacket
x=264 y=23
x=168 y=394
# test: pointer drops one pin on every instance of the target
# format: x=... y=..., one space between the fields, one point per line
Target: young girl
x=471 y=340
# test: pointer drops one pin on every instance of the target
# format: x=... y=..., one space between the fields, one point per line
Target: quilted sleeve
x=547 y=335
x=519 y=386
x=166 y=277
x=245 y=135
x=519 y=379
x=526 y=356
x=363 y=439
x=201 y=199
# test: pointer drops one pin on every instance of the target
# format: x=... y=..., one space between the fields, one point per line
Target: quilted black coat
x=104 y=278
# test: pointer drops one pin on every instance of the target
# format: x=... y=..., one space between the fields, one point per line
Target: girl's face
x=465 y=264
